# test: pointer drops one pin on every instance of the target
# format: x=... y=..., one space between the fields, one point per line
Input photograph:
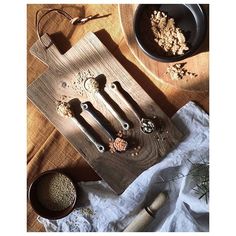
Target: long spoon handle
x=117 y=91
x=87 y=107
x=125 y=125
x=100 y=147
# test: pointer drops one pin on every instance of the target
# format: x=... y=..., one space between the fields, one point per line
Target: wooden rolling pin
x=146 y=215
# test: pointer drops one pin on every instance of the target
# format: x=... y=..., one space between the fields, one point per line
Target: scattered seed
x=86 y=211
x=63 y=97
x=169 y=37
x=78 y=83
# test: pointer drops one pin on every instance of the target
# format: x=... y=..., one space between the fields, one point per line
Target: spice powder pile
x=167 y=35
x=80 y=78
x=64 y=109
x=91 y=85
x=55 y=192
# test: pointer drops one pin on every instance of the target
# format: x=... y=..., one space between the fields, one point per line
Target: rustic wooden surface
x=198 y=63
x=89 y=54
x=46 y=147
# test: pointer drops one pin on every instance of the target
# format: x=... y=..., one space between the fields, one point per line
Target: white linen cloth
x=183 y=211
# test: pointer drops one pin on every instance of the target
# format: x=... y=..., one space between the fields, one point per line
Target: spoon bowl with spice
x=52 y=194
x=147 y=125
x=65 y=110
x=92 y=86
x=116 y=143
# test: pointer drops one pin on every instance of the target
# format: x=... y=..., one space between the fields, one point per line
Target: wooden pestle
x=146 y=215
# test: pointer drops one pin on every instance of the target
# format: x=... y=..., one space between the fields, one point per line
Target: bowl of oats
x=52 y=194
x=169 y=32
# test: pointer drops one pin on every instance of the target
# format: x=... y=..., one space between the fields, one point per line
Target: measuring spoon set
x=147 y=125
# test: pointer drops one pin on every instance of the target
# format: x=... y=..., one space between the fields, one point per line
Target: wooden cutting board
x=198 y=63
x=58 y=83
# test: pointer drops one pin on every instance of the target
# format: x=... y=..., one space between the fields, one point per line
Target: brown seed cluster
x=178 y=71
x=119 y=144
x=169 y=37
x=135 y=151
x=55 y=192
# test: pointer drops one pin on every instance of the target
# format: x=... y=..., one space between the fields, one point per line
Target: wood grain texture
x=118 y=170
x=198 y=63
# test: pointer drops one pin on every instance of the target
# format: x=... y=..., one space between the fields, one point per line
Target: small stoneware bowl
x=190 y=18
x=40 y=208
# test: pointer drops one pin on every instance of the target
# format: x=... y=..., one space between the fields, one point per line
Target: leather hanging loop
x=73 y=21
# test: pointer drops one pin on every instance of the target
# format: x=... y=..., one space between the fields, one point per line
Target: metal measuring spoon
x=119 y=143
x=147 y=125
x=64 y=110
x=92 y=86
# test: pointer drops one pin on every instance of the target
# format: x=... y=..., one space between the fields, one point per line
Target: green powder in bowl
x=55 y=192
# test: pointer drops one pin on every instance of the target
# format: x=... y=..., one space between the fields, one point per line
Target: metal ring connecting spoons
x=119 y=143
x=92 y=86
x=64 y=109
x=147 y=125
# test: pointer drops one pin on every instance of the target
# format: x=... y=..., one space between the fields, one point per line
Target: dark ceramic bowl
x=190 y=18
x=41 y=210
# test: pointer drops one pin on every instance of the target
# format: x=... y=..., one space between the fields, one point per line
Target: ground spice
x=169 y=37
x=55 y=192
x=64 y=109
x=91 y=85
x=78 y=82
